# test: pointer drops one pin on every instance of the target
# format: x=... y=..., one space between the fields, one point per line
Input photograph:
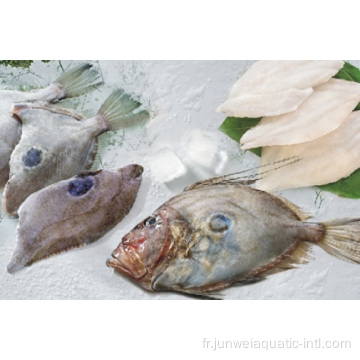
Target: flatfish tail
x=119 y=111
x=79 y=80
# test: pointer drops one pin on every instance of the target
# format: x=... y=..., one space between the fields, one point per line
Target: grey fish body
x=230 y=240
x=57 y=144
x=11 y=127
x=212 y=236
x=75 y=82
x=73 y=212
x=55 y=156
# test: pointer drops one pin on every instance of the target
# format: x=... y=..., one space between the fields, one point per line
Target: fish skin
x=53 y=220
x=63 y=156
x=63 y=87
x=66 y=142
x=10 y=128
x=190 y=248
x=222 y=232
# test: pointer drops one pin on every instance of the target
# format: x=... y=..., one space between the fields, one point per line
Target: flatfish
x=73 y=212
x=57 y=144
x=75 y=82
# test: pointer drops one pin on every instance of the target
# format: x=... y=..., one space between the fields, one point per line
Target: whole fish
x=222 y=232
x=73 y=212
x=75 y=82
x=57 y=144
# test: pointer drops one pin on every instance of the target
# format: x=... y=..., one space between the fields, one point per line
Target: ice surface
x=166 y=165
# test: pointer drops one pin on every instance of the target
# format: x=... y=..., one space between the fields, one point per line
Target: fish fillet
x=323 y=160
x=321 y=113
x=280 y=86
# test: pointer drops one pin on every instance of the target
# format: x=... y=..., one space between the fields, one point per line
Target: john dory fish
x=220 y=232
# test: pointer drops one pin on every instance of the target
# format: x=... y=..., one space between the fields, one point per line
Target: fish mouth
x=127 y=261
x=133 y=171
x=137 y=171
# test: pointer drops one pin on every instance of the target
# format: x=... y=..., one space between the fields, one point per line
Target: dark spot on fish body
x=219 y=223
x=32 y=158
x=81 y=186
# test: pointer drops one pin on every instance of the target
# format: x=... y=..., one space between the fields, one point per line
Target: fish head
x=145 y=252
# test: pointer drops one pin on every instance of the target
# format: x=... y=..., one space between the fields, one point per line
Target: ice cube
x=201 y=147
x=165 y=165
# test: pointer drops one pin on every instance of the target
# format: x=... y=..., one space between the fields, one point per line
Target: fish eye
x=32 y=158
x=219 y=223
x=79 y=187
x=151 y=221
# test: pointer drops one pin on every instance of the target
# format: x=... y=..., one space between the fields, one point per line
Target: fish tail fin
x=79 y=80
x=342 y=239
x=118 y=110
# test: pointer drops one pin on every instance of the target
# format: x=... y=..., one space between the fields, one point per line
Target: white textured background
x=182 y=96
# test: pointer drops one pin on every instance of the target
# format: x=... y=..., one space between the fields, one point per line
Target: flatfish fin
x=118 y=111
x=79 y=80
x=17 y=107
x=55 y=249
x=97 y=162
x=98 y=152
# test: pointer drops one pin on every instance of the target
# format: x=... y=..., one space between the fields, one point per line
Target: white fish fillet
x=321 y=113
x=260 y=104
x=284 y=85
x=323 y=161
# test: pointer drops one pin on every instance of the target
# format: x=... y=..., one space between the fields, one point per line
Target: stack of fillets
x=306 y=113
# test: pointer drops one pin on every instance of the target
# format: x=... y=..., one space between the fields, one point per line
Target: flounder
x=75 y=82
x=222 y=232
x=57 y=144
x=73 y=212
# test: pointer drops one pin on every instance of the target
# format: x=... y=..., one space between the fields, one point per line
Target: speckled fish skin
x=75 y=82
x=58 y=144
x=73 y=212
x=210 y=237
